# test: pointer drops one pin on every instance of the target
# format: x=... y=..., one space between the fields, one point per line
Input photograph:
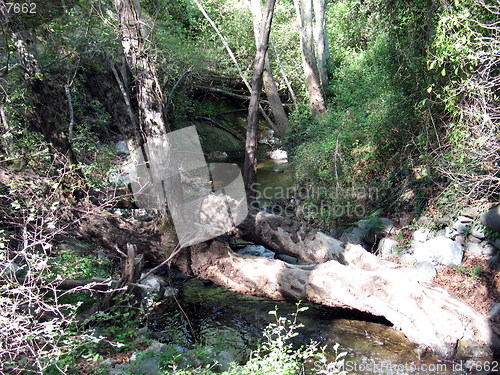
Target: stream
x=372 y=346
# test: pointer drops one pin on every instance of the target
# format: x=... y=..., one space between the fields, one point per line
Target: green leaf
x=443 y=72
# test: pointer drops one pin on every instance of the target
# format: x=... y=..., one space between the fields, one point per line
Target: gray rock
x=478 y=232
x=460 y=227
x=496 y=243
x=439 y=250
x=288 y=259
x=153 y=290
x=472 y=211
x=377 y=228
x=464 y=219
x=443 y=220
x=460 y=239
x=473 y=239
x=387 y=247
x=147 y=366
x=427 y=271
x=354 y=237
x=424 y=221
x=70 y=244
x=491 y=219
x=108 y=362
x=421 y=235
x=495 y=311
x=278 y=170
x=170 y=292
x=442 y=233
x=403 y=222
x=258 y=251
x=474 y=248
x=489 y=250
x=121 y=147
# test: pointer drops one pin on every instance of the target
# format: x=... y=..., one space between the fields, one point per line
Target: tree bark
x=315 y=94
x=321 y=38
x=250 y=168
x=425 y=313
x=48 y=100
x=277 y=109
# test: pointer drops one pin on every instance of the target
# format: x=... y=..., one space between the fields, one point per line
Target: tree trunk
x=280 y=117
x=250 y=168
x=426 y=314
x=304 y=17
x=49 y=102
x=320 y=35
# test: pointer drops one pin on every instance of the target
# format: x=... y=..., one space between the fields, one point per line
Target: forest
x=249 y=186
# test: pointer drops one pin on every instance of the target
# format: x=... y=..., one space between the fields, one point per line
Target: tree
x=250 y=168
x=280 y=117
x=314 y=91
x=321 y=38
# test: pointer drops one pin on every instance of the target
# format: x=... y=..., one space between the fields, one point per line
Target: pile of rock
x=446 y=246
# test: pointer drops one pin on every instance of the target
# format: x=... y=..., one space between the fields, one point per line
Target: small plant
x=473 y=272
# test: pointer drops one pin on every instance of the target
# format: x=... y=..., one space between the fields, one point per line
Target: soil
x=476 y=281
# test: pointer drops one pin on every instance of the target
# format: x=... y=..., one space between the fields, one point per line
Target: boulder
x=478 y=232
x=491 y=219
x=474 y=248
x=460 y=227
x=439 y=250
x=121 y=147
x=153 y=290
x=387 y=247
x=376 y=228
x=421 y=235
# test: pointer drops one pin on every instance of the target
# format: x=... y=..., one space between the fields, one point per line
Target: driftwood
x=348 y=278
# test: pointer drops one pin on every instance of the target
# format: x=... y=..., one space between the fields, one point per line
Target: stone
x=473 y=239
x=404 y=222
x=387 y=247
x=278 y=170
x=444 y=220
x=424 y=221
x=354 y=237
x=496 y=243
x=460 y=239
x=472 y=211
x=377 y=228
x=478 y=232
x=121 y=147
x=288 y=259
x=491 y=219
x=278 y=154
x=442 y=233
x=460 y=227
x=464 y=219
x=426 y=271
x=439 y=250
x=495 y=311
x=421 y=235
x=489 y=250
x=257 y=251
x=170 y=292
x=70 y=244
x=153 y=290
x=474 y=248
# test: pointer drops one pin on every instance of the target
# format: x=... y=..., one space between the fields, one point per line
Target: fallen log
x=428 y=315
x=348 y=278
x=289 y=237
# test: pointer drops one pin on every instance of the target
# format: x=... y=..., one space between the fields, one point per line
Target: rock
x=488 y=249
x=491 y=219
x=108 y=362
x=496 y=243
x=443 y=220
x=460 y=227
x=473 y=239
x=427 y=271
x=472 y=211
x=121 y=147
x=387 y=247
x=478 y=232
x=154 y=290
x=403 y=222
x=377 y=228
x=495 y=311
x=217 y=155
x=354 y=237
x=442 y=233
x=421 y=235
x=288 y=259
x=460 y=239
x=70 y=244
x=147 y=366
x=278 y=154
x=439 y=250
x=474 y=248
x=464 y=219
x=424 y=221
x=258 y=251
x=278 y=170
